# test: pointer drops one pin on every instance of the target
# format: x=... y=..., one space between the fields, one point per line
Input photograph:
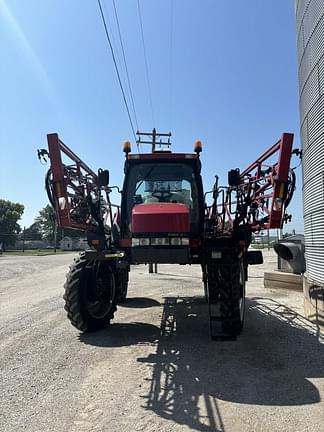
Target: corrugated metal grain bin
x=310 y=46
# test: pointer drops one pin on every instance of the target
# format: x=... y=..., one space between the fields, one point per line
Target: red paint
x=272 y=182
x=160 y=218
x=63 y=214
x=125 y=242
x=67 y=186
x=195 y=242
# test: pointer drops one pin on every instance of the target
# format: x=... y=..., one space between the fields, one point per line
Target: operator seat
x=147 y=199
x=182 y=197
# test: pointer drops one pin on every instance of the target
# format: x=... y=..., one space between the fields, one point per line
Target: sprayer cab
x=162 y=208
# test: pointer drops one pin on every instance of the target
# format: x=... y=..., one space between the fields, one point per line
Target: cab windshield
x=163 y=183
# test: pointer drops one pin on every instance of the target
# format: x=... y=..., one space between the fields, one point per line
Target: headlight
x=135 y=242
x=144 y=242
x=160 y=241
x=185 y=241
x=176 y=241
x=140 y=241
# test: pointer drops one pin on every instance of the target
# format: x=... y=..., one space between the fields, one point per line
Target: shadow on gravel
x=270 y=364
x=139 y=302
x=118 y=335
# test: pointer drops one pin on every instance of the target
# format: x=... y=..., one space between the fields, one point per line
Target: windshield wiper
x=142 y=181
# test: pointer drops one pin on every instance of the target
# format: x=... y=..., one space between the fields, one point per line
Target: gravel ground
x=155 y=368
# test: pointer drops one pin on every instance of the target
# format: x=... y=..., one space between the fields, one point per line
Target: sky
x=224 y=72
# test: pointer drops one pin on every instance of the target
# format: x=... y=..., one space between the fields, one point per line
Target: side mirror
x=234 y=177
x=103 y=177
x=254 y=257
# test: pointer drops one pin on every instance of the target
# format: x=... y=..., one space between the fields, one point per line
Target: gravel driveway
x=155 y=368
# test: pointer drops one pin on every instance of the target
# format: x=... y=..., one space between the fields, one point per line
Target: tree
x=46 y=224
x=10 y=213
x=33 y=232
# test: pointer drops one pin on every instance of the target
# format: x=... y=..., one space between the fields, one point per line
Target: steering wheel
x=162 y=196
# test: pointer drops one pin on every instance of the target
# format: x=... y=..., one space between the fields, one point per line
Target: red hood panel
x=160 y=218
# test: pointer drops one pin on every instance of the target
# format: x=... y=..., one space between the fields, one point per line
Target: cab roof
x=162 y=155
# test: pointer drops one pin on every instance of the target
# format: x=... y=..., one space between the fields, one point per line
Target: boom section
x=258 y=196
x=75 y=191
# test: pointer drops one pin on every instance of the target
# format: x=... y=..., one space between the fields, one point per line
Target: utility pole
x=23 y=245
x=55 y=235
x=153 y=268
x=153 y=141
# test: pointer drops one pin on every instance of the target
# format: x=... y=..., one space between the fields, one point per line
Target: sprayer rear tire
x=81 y=289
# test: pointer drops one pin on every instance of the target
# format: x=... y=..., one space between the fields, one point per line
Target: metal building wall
x=310 y=45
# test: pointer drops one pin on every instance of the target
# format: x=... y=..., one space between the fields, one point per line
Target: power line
x=112 y=36
x=171 y=62
x=125 y=63
x=146 y=62
x=116 y=67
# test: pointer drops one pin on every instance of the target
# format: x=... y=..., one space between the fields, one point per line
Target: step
x=283 y=280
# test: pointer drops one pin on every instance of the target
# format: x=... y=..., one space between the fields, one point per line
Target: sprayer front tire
x=233 y=299
x=122 y=285
x=90 y=295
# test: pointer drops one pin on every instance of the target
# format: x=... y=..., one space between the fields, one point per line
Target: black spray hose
x=48 y=184
x=291 y=187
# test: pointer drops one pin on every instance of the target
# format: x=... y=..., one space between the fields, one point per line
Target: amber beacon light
x=198 y=146
x=127 y=147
